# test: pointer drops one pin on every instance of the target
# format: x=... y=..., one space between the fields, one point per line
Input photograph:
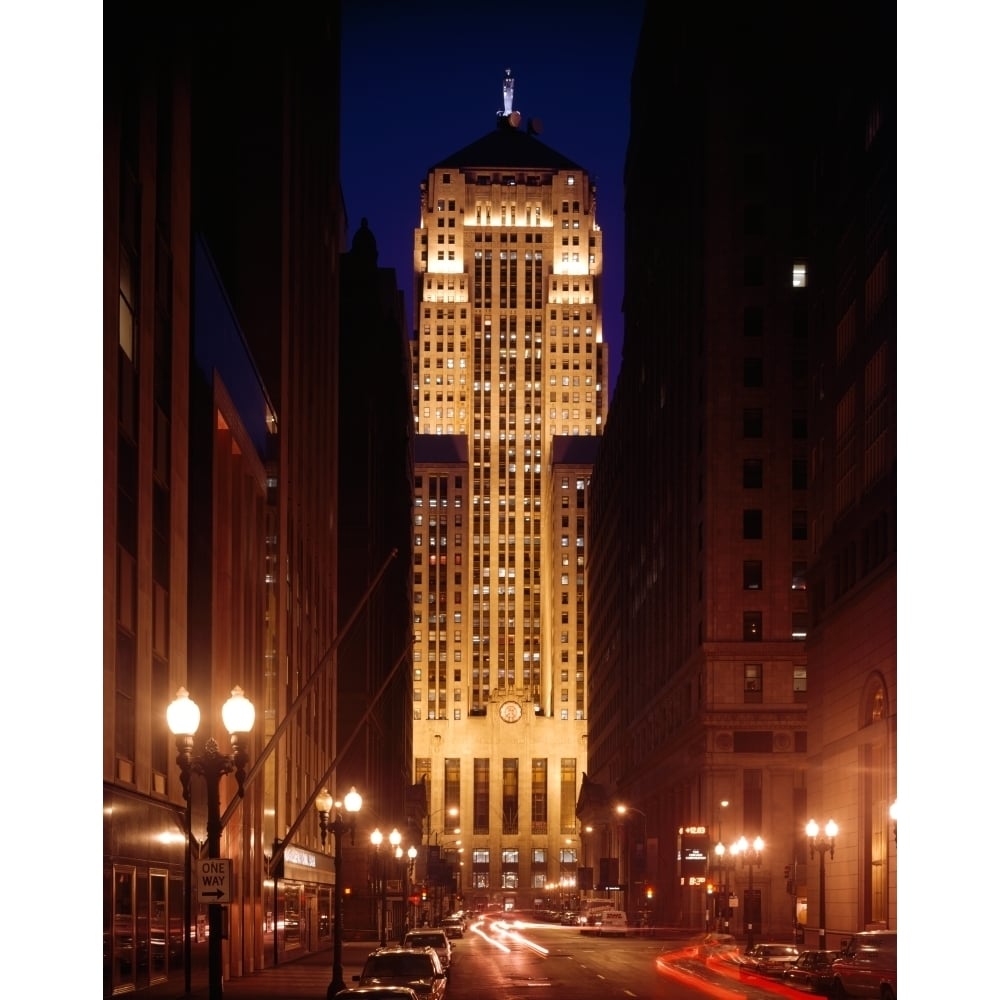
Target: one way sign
x=215 y=880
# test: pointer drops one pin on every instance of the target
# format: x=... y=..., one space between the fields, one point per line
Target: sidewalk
x=306 y=978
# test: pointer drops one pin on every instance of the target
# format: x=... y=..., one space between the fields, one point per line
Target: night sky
x=421 y=81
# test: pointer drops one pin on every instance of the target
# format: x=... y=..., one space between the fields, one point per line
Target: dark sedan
x=812 y=971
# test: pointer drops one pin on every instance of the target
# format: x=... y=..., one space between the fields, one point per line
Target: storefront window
x=123 y=954
x=293 y=917
x=157 y=926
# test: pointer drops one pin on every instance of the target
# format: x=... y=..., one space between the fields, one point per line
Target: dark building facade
x=224 y=232
x=376 y=489
x=852 y=758
x=702 y=691
x=147 y=354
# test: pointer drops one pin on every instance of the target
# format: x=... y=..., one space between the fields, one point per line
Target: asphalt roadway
x=308 y=978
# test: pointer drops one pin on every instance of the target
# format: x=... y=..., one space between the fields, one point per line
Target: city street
x=507 y=961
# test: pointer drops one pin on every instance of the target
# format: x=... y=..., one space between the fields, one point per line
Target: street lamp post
x=721 y=890
x=377 y=839
x=630 y=895
x=822 y=844
x=751 y=855
x=338 y=826
x=726 y=858
x=451 y=811
x=720 y=851
x=450 y=860
x=411 y=853
x=394 y=838
x=399 y=854
x=183 y=717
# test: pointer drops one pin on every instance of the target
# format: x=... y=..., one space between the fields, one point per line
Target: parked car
x=811 y=971
x=418 y=968
x=454 y=927
x=770 y=958
x=571 y=918
x=866 y=966
x=377 y=993
x=431 y=937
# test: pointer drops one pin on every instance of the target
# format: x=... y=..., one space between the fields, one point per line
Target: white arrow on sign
x=215 y=879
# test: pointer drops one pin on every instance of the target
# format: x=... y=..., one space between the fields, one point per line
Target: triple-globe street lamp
x=183 y=718
x=325 y=803
x=822 y=844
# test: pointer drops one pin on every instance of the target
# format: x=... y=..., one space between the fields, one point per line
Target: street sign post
x=215 y=880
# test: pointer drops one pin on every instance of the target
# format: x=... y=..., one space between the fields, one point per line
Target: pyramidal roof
x=513 y=143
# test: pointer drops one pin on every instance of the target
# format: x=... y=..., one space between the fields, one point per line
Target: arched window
x=873 y=825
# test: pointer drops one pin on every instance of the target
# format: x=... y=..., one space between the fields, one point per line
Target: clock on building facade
x=510 y=711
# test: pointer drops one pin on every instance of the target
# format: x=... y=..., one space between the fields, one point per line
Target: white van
x=613 y=922
x=866 y=966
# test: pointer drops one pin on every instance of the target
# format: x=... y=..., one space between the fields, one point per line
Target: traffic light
x=788 y=872
x=649 y=892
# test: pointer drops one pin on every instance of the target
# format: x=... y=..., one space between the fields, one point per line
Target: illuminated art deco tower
x=508 y=399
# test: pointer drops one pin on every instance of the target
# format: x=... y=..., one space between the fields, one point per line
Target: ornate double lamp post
x=751 y=855
x=338 y=826
x=381 y=866
x=183 y=718
x=822 y=844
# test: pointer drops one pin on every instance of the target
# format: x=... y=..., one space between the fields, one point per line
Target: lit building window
x=799 y=274
x=800 y=625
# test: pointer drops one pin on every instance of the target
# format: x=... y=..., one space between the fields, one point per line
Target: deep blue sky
x=422 y=80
